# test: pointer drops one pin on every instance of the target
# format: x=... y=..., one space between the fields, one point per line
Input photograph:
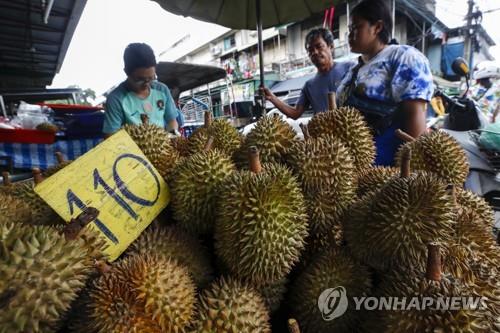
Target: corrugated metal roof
x=32 y=51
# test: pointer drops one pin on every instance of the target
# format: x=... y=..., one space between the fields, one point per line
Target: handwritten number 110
x=122 y=187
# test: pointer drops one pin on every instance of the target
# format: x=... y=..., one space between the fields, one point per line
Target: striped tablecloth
x=31 y=155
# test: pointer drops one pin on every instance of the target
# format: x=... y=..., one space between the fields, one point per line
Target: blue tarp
x=450 y=52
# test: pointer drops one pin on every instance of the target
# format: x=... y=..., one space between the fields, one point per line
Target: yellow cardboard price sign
x=116 y=178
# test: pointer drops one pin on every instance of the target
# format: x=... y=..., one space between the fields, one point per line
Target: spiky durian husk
x=261 y=224
x=155 y=144
x=322 y=164
x=195 y=184
x=145 y=287
x=175 y=243
x=334 y=268
x=410 y=284
x=229 y=305
x=112 y=306
x=471 y=202
x=473 y=233
x=180 y=144
x=374 y=178
x=165 y=287
x=439 y=153
x=348 y=125
x=41 y=213
x=272 y=293
x=328 y=179
x=272 y=136
x=226 y=137
x=53 y=169
x=392 y=227
x=40 y=274
x=14 y=210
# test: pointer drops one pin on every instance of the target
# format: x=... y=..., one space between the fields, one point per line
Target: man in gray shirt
x=319 y=46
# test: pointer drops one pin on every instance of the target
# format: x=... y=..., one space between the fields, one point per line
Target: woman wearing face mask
x=390 y=85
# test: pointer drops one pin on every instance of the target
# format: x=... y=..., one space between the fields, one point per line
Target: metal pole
x=467 y=42
x=423 y=38
x=260 y=43
x=393 y=32
x=259 y=97
x=2 y=106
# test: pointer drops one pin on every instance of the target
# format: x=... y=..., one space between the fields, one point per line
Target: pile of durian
x=257 y=228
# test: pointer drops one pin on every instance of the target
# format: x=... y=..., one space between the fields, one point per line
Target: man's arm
x=415 y=112
x=289 y=111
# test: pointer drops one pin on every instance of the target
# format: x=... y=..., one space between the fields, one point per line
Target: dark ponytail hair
x=373 y=11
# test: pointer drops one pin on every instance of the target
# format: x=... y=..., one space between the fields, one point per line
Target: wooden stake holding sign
x=118 y=180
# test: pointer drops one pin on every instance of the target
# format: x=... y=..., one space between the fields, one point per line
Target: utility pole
x=468 y=34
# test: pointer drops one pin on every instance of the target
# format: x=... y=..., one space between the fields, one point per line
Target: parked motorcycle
x=465 y=122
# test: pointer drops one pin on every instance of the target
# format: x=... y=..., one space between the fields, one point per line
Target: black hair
x=319 y=32
x=373 y=11
x=138 y=55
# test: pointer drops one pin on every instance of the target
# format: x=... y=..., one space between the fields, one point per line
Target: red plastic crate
x=72 y=108
x=26 y=136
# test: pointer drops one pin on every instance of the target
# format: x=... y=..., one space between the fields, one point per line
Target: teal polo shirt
x=125 y=107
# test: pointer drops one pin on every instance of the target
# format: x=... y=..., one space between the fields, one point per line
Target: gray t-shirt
x=315 y=91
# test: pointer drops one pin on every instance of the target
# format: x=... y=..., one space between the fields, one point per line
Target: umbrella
x=247 y=14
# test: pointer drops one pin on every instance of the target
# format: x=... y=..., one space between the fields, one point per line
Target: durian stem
x=209 y=144
x=59 y=157
x=144 y=118
x=293 y=326
x=102 y=266
x=404 y=136
x=433 y=271
x=305 y=131
x=6 y=178
x=254 y=158
x=208 y=118
x=332 y=101
x=37 y=176
x=405 y=163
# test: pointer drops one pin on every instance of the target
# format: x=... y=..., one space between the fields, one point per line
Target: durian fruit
x=471 y=232
x=230 y=306
x=328 y=178
x=181 y=145
x=272 y=136
x=469 y=201
x=142 y=288
x=372 y=179
x=272 y=293
x=336 y=269
x=439 y=153
x=348 y=125
x=391 y=227
x=61 y=163
x=261 y=223
x=41 y=213
x=14 y=210
x=165 y=287
x=432 y=285
x=173 y=242
x=195 y=185
x=226 y=137
x=40 y=275
x=48 y=127
x=155 y=144
x=111 y=306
